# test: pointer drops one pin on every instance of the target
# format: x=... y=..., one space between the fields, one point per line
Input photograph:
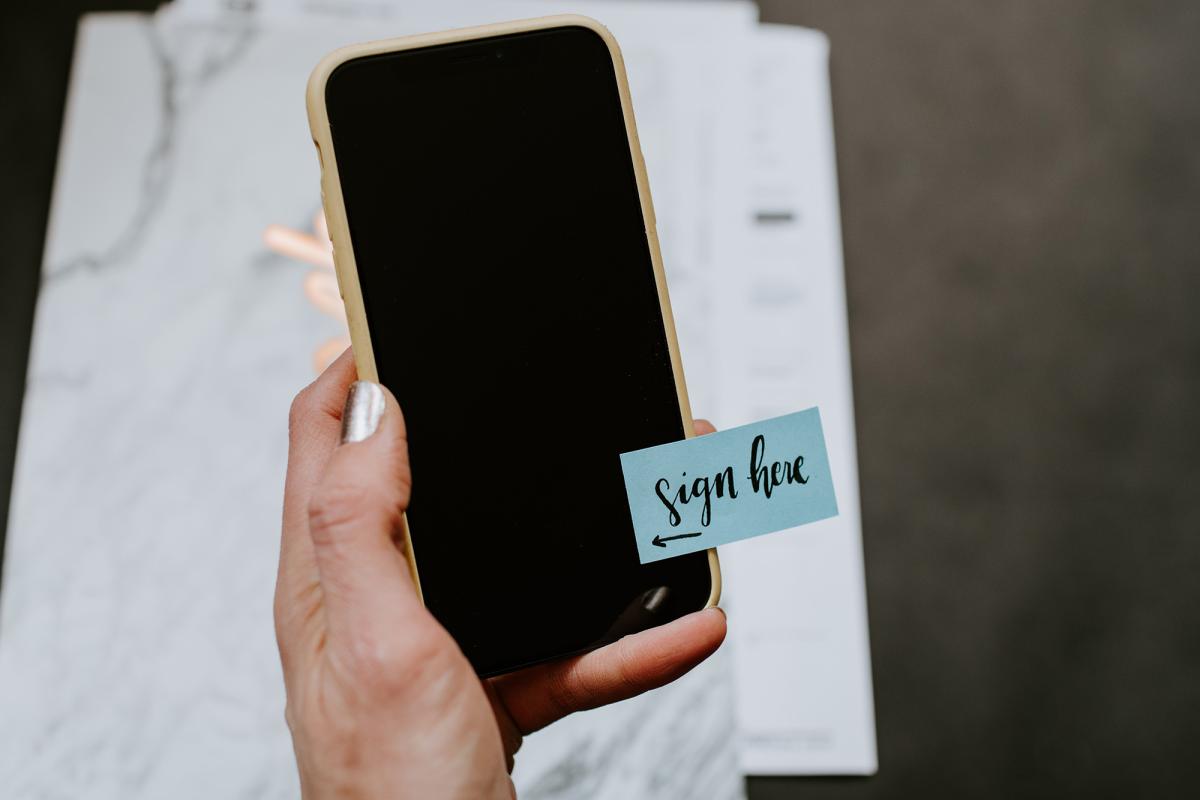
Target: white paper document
x=796 y=599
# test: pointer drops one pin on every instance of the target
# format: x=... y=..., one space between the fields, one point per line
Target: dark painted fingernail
x=364 y=409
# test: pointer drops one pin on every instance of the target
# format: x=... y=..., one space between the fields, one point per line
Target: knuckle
x=563 y=691
x=392 y=665
x=339 y=506
x=369 y=657
x=625 y=675
x=305 y=407
x=333 y=507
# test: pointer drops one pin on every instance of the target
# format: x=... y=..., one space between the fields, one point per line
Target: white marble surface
x=137 y=657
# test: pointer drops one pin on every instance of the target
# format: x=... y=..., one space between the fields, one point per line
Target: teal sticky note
x=731 y=485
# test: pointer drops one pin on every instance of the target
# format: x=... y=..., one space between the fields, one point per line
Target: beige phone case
x=339 y=232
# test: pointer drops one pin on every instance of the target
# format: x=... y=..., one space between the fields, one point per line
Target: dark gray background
x=1021 y=209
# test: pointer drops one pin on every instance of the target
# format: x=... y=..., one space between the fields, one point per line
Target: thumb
x=355 y=517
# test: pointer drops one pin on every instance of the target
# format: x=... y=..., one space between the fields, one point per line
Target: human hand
x=380 y=700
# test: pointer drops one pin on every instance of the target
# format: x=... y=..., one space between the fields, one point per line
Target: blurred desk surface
x=1020 y=185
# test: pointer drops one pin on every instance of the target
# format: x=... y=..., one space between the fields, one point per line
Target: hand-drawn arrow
x=661 y=541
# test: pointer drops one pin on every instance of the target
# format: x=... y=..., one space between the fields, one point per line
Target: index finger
x=314 y=429
x=540 y=695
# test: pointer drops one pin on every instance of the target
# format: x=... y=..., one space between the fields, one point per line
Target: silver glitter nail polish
x=364 y=409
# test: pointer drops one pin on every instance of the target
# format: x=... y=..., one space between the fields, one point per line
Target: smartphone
x=496 y=250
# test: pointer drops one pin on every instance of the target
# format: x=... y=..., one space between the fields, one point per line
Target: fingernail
x=364 y=409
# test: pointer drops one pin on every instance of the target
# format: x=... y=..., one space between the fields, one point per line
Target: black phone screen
x=512 y=307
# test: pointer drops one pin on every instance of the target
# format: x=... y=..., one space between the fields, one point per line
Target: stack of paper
x=137 y=657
